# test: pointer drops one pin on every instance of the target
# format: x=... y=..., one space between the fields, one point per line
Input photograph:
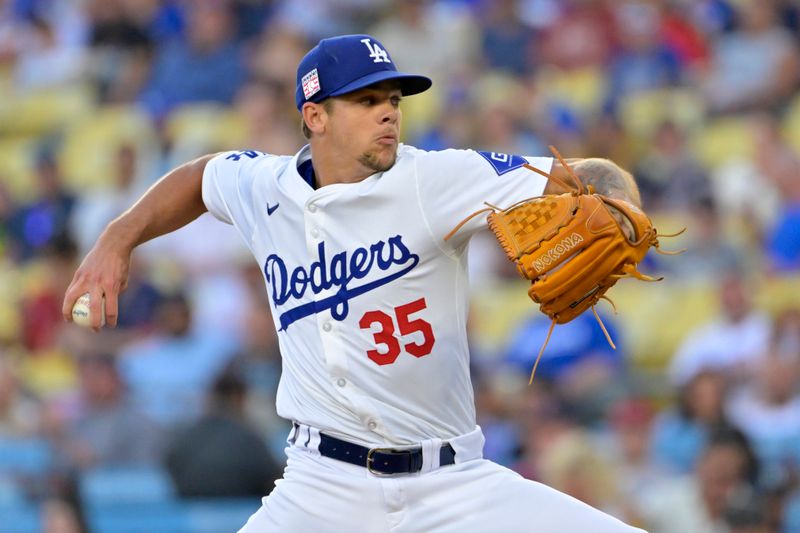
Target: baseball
x=80 y=312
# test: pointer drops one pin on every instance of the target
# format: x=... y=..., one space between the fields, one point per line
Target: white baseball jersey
x=369 y=300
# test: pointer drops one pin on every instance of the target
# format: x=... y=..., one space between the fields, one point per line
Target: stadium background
x=167 y=423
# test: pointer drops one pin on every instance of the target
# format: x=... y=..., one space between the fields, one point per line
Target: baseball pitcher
x=370 y=301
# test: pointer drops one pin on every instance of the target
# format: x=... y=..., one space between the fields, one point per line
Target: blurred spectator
x=271 y=126
x=61 y=516
x=679 y=433
x=454 y=127
x=712 y=17
x=139 y=304
x=429 y=37
x=7 y=208
x=502 y=124
x=507 y=44
x=731 y=341
x=578 y=359
x=47 y=57
x=169 y=371
x=668 y=174
x=768 y=410
x=39 y=223
x=779 y=164
x=582 y=35
x=121 y=49
x=628 y=453
x=20 y=410
x=748 y=188
x=641 y=61
x=98 y=207
x=276 y=56
x=102 y=427
x=207 y=65
x=748 y=512
x=706 y=251
x=605 y=137
x=41 y=316
x=572 y=465
x=756 y=65
x=259 y=364
x=683 y=37
x=698 y=503
x=497 y=397
x=220 y=455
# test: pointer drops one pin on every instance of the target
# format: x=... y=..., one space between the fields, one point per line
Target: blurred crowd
x=691 y=425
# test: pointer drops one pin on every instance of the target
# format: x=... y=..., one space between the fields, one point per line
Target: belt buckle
x=371 y=460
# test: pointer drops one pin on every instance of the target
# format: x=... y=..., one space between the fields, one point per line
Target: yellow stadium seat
x=583 y=90
x=44 y=111
x=90 y=146
x=722 y=140
x=17 y=160
x=420 y=112
x=10 y=294
x=656 y=317
x=196 y=129
x=641 y=113
x=791 y=124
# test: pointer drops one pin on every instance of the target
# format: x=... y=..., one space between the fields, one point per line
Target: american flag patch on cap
x=311 y=84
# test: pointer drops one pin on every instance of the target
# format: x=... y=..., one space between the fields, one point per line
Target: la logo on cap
x=378 y=54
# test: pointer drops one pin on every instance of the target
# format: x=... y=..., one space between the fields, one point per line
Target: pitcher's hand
x=102 y=273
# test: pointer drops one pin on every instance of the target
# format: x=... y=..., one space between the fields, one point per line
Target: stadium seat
x=641 y=113
x=723 y=139
x=127 y=517
x=791 y=124
x=118 y=485
x=44 y=111
x=581 y=90
x=220 y=514
x=197 y=129
x=25 y=456
x=90 y=145
x=20 y=518
x=17 y=162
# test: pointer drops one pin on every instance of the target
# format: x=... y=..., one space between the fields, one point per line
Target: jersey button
x=327 y=326
x=341 y=382
x=312 y=208
x=372 y=425
x=314 y=232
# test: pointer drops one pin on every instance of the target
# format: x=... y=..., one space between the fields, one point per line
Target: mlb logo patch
x=310 y=84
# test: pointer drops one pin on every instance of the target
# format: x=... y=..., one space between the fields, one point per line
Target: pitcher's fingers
x=112 y=307
x=96 y=307
x=74 y=291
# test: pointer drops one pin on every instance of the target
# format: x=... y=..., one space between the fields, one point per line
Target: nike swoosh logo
x=271 y=209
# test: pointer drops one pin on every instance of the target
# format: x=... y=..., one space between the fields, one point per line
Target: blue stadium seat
x=219 y=514
x=125 y=517
x=31 y=456
x=20 y=518
x=131 y=484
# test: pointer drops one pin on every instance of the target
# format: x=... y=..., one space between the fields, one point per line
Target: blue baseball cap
x=346 y=63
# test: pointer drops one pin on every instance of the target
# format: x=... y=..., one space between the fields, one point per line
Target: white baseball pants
x=322 y=495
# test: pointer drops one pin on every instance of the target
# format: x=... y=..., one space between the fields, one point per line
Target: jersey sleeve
x=228 y=182
x=452 y=184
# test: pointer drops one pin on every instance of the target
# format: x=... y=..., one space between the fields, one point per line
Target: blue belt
x=380 y=461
